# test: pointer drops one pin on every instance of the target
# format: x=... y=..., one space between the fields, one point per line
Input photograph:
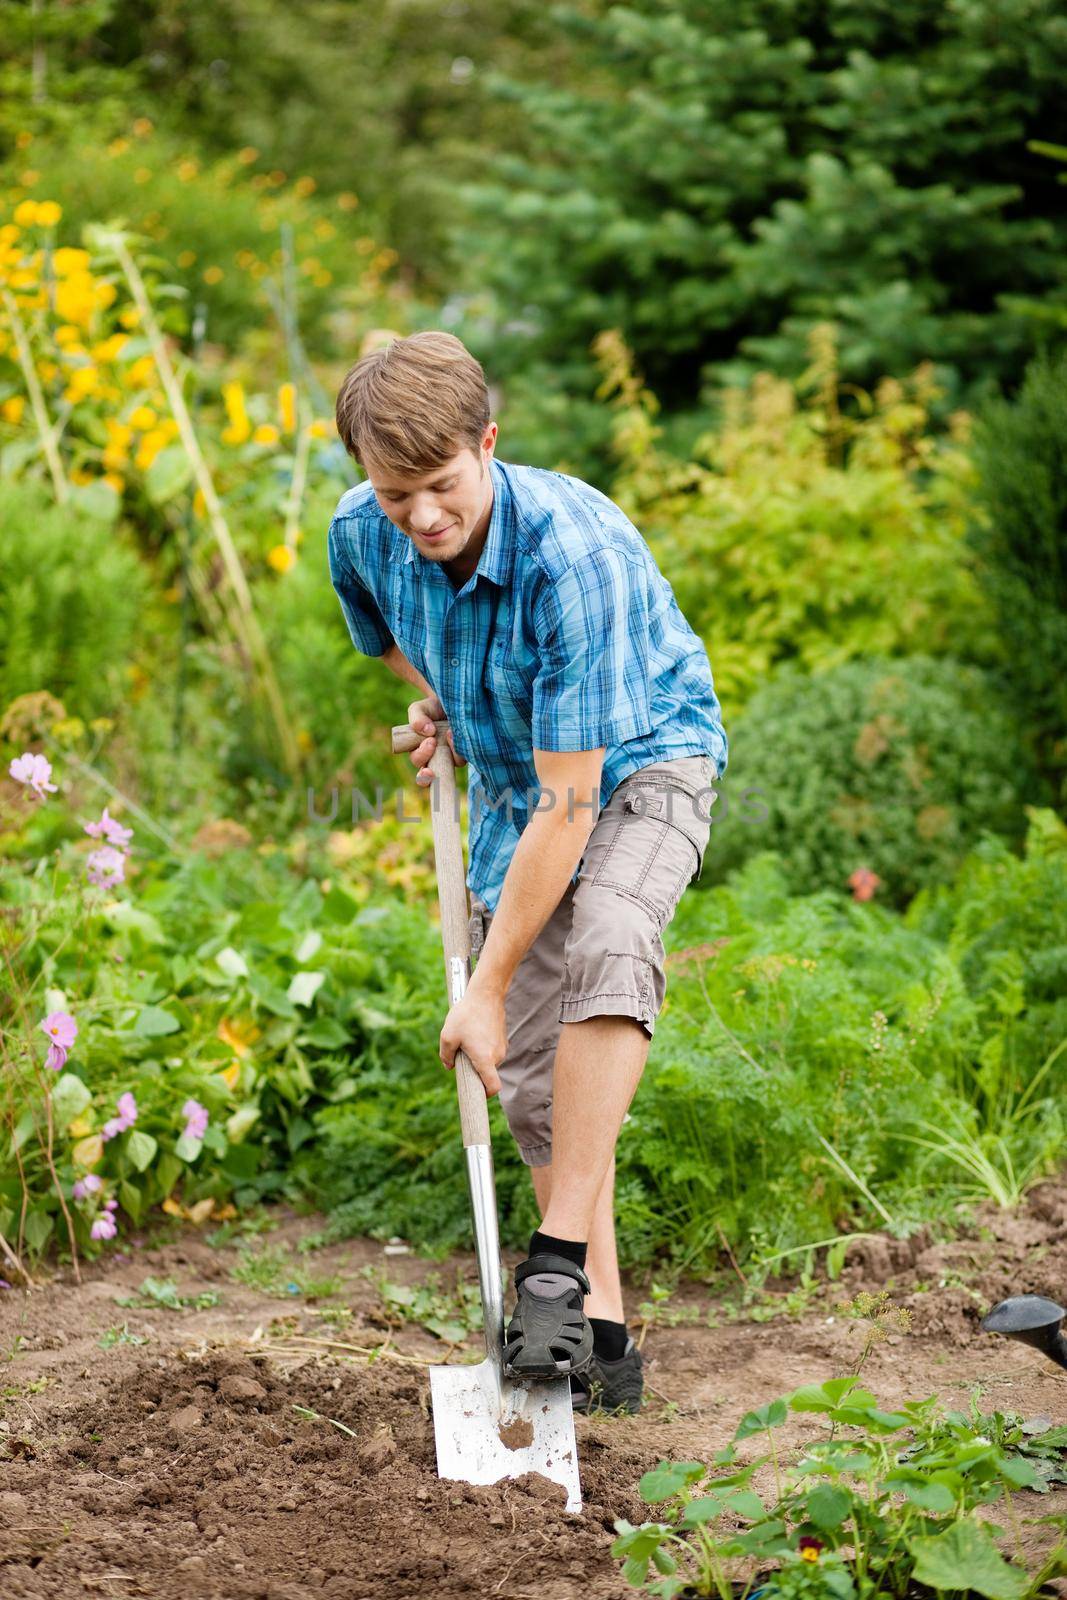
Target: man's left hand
x=477 y=1026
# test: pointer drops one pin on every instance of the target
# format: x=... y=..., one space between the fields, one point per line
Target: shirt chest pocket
x=509 y=683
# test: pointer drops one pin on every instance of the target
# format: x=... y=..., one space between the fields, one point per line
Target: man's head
x=415 y=415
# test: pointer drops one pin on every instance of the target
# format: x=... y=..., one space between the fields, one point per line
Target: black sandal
x=549 y=1335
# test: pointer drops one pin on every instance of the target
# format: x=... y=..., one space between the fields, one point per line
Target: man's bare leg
x=602 y=1262
x=598 y=1066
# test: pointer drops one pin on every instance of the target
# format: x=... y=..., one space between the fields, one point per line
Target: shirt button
x=455 y=661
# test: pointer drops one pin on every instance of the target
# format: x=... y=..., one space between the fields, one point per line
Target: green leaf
x=168 y=1171
x=326 y=1033
x=828 y=1507
x=122 y=917
x=141 y=1147
x=309 y=946
x=69 y=1098
x=132 y=1199
x=97 y=500
x=668 y=1479
x=305 y=986
x=38 y=1228
x=153 y=1022
x=771 y=1415
x=244 y=1119
x=965 y=1557
x=186 y=1148
x=704 y=1509
x=232 y=962
x=932 y=1496
x=168 y=475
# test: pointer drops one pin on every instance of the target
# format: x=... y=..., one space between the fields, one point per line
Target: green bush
x=795 y=533
x=72 y=598
x=893 y=767
x=1020 y=533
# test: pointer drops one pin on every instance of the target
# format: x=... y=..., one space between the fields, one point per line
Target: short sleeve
x=365 y=622
x=591 y=625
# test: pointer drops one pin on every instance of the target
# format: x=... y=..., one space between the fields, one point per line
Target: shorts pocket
x=655 y=844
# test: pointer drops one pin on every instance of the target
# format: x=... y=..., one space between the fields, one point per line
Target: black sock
x=609 y=1338
x=569 y=1249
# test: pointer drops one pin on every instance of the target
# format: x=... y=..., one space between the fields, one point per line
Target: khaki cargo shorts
x=601 y=951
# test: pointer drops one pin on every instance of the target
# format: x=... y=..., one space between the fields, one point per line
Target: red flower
x=808 y=1547
x=863 y=883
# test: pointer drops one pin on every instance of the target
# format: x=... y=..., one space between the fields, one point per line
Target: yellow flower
x=319 y=429
x=11 y=410
x=281 y=558
x=240 y=1036
x=118 y=432
x=187 y=170
x=130 y=317
x=187 y=258
x=323 y=279
x=81 y=475
x=48 y=213
x=169 y=428
x=26 y=213
x=324 y=229
x=9 y=233
x=213 y=274
x=304 y=186
x=247 y=155
x=199 y=503
x=80 y=1127
x=66 y=260
x=140 y=374
x=233 y=398
x=348 y=201
x=115 y=455
x=142 y=175
x=152 y=443
x=48 y=370
x=230 y=1074
x=142 y=127
x=114 y=481
x=244 y=259
x=265 y=433
x=106 y=295
x=67 y=334
x=82 y=381
x=142 y=418
x=76 y=299
x=110 y=349
x=22 y=138
x=287 y=407
x=117 y=146
x=28 y=178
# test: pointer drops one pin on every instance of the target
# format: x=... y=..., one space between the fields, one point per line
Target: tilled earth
x=188 y=1465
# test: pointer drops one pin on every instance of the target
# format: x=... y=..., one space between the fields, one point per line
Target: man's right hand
x=422 y=714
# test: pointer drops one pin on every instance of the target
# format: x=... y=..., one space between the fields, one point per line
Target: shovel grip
x=455 y=924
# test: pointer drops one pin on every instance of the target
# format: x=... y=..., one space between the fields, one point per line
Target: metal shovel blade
x=487 y=1428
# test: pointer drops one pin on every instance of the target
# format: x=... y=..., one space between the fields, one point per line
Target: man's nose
x=424 y=516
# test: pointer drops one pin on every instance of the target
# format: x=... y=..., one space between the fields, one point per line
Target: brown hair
x=413 y=403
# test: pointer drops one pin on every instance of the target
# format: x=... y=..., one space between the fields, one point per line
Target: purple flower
x=196 y=1121
x=106 y=867
x=4 y=1284
x=62 y=1030
x=86 y=1186
x=104 y=1227
x=107 y=828
x=126 y=1118
x=34 y=771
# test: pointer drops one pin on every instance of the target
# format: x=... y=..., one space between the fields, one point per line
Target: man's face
x=442 y=511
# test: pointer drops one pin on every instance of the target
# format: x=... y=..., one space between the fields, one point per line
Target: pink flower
x=863 y=883
x=111 y=830
x=86 y=1186
x=62 y=1030
x=196 y=1117
x=104 y=1227
x=34 y=771
x=106 y=867
x=126 y=1118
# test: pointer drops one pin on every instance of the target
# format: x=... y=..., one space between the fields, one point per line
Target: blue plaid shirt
x=566 y=637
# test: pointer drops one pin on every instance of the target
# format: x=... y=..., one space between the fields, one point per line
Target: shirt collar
x=498 y=553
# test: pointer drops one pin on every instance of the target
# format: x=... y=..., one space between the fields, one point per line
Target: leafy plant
x=883 y=1501
x=163 y=1292
x=272 y=1270
x=894 y=768
x=451 y=1313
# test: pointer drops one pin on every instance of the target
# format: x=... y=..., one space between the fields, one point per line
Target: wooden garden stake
x=37 y=405
x=246 y=623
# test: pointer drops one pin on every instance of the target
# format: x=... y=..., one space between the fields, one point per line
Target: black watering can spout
x=1032 y=1319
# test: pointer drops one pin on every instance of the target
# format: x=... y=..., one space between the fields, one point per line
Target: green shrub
x=72 y=597
x=793 y=533
x=1020 y=533
x=895 y=767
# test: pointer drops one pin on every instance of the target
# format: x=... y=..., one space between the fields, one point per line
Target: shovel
x=486 y=1426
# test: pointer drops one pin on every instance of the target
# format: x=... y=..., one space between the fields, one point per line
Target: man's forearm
x=398 y=663
x=542 y=866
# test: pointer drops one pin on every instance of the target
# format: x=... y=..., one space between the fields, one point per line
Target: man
x=528 y=610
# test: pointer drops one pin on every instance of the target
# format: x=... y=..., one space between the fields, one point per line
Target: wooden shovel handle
x=452 y=895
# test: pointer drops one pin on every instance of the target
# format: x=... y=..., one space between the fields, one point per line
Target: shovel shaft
x=473 y=1110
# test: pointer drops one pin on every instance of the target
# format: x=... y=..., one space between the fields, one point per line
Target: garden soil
x=206 y=1461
